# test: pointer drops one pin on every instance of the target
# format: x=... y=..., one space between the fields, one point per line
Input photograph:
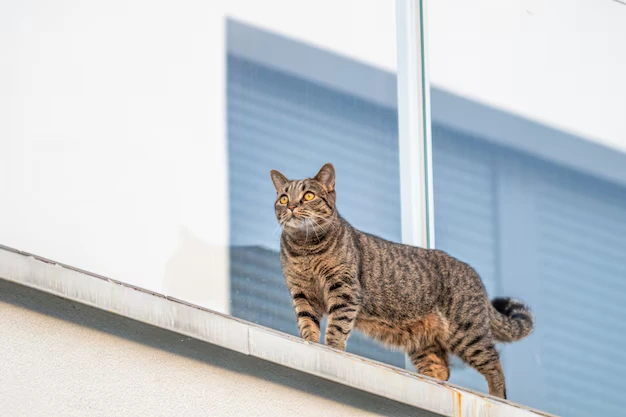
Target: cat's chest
x=313 y=272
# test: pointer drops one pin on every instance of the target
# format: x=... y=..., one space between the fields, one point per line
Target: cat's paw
x=338 y=346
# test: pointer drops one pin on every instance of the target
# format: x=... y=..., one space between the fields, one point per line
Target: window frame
x=414 y=133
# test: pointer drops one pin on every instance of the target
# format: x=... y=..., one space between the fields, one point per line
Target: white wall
x=112 y=155
x=559 y=62
x=61 y=358
x=112 y=150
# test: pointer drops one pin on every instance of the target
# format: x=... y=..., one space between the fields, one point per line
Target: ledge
x=251 y=339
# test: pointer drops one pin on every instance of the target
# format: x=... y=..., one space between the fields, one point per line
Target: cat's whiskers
x=322 y=228
x=316 y=235
x=322 y=219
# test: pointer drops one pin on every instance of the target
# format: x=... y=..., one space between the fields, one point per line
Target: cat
x=422 y=301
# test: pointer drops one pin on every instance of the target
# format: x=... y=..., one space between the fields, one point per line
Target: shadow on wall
x=198 y=272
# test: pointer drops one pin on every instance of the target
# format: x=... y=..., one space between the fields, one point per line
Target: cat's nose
x=292 y=207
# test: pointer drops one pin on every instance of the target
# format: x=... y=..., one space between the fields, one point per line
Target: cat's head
x=307 y=204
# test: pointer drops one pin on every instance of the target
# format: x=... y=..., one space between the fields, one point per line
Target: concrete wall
x=63 y=358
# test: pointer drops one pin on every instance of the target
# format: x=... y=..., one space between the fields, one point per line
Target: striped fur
x=422 y=301
x=511 y=320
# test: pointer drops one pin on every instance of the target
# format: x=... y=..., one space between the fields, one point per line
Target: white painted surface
x=250 y=339
x=112 y=151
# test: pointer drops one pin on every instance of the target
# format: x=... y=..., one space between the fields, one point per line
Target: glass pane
x=136 y=138
x=529 y=161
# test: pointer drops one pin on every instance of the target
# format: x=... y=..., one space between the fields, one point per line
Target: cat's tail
x=511 y=319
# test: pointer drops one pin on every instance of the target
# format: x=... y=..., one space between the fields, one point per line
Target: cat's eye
x=284 y=199
x=309 y=196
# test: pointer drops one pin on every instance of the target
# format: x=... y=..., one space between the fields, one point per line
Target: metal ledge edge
x=251 y=339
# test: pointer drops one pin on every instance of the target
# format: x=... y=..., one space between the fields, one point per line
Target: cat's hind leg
x=430 y=360
x=477 y=350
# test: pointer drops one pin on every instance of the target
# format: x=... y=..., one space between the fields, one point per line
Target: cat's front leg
x=307 y=316
x=342 y=295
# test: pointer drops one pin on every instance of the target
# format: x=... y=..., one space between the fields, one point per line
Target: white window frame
x=414 y=128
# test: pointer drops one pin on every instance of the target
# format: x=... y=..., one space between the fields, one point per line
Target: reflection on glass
x=286 y=122
x=549 y=234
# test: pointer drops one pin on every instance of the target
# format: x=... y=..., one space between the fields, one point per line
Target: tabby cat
x=422 y=301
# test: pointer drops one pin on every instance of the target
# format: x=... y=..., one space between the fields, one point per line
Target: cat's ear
x=327 y=176
x=278 y=179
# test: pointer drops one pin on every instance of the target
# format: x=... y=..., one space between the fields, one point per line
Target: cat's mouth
x=295 y=222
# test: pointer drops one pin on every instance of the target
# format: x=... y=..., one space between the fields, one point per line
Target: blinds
x=582 y=258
